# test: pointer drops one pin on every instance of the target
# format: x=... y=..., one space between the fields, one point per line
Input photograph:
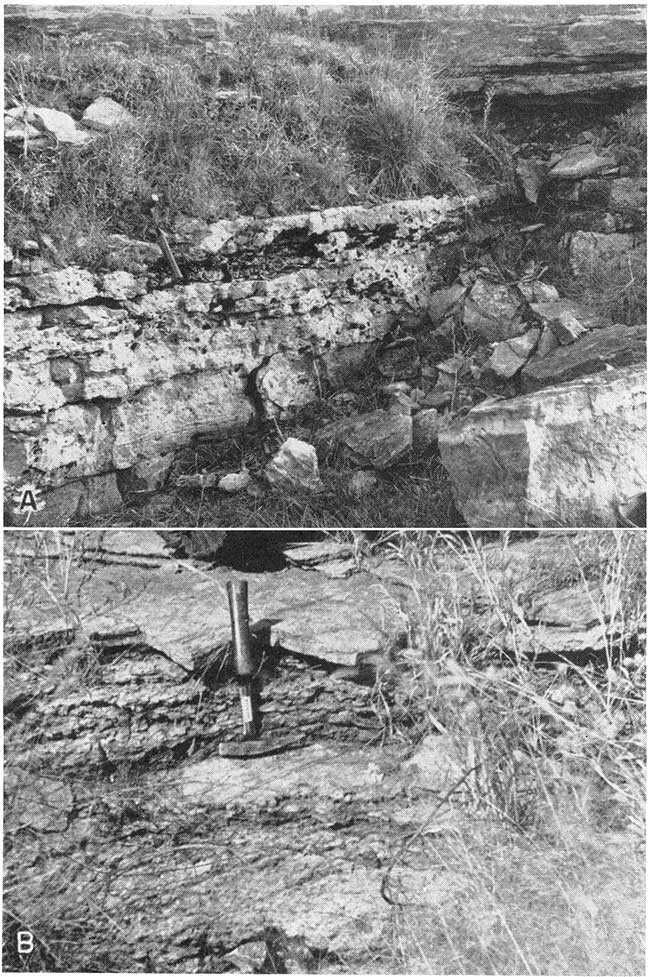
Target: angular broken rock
x=531 y=175
x=442 y=302
x=493 y=310
x=509 y=357
x=319 y=551
x=379 y=438
x=185 y=615
x=295 y=466
x=567 y=320
x=60 y=125
x=288 y=380
x=563 y=456
x=105 y=114
x=536 y=291
x=580 y=161
x=614 y=346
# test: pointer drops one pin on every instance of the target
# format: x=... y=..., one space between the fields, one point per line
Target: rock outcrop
x=565 y=456
x=118 y=693
x=107 y=374
x=110 y=373
x=584 y=56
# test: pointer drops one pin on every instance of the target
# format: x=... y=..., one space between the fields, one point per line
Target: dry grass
x=545 y=871
x=298 y=138
x=535 y=861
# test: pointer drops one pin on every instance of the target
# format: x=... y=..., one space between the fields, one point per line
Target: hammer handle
x=244 y=659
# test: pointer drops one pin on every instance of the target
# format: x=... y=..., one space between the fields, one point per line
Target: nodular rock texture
x=106 y=372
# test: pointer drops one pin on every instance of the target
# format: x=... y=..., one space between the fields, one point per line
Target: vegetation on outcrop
x=292 y=111
x=315 y=124
x=538 y=843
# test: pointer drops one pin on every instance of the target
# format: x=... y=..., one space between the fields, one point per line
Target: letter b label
x=25 y=941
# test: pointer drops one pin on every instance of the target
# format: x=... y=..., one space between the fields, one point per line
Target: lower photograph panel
x=335 y=752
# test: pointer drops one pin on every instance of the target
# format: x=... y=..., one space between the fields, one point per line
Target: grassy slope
x=320 y=124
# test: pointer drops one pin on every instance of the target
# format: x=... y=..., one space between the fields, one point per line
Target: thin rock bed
x=404 y=755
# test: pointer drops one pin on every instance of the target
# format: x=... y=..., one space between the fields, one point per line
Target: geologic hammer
x=246 y=667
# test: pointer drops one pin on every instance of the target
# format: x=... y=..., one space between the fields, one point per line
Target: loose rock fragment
x=509 y=357
x=580 y=161
x=60 y=125
x=613 y=346
x=234 y=482
x=531 y=175
x=105 y=114
x=379 y=438
x=295 y=466
x=493 y=311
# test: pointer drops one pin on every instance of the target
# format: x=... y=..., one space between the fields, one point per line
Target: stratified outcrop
x=583 y=55
x=107 y=374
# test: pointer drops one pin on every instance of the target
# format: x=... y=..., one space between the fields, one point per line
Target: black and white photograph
x=342 y=752
x=325 y=266
x=323 y=540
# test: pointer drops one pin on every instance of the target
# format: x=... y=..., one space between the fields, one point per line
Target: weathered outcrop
x=118 y=804
x=584 y=56
x=107 y=374
x=566 y=456
x=580 y=57
x=131 y=665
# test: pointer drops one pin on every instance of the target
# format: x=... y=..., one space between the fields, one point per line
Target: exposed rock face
x=585 y=54
x=566 y=456
x=109 y=374
x=118 y=802
x=94 y=390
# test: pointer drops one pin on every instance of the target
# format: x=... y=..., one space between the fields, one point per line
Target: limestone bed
x=131 y=845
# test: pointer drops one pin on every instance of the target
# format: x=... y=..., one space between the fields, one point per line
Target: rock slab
x=564 y=457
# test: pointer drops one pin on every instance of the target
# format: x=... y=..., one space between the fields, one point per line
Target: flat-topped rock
x=185 y=615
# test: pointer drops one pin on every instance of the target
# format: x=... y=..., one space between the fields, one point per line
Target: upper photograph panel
x=325 y=266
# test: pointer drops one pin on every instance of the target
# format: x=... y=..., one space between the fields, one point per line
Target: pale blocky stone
x=581 y=161
x=105 y=114
x=564 y=456
x=294 y=467
x=60 y=125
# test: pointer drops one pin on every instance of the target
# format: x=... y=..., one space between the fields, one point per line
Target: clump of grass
x=513 y=905
x=527 y=730
x=550 y=813
x=629 y=138
x=617 y=291
x=316 y=125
